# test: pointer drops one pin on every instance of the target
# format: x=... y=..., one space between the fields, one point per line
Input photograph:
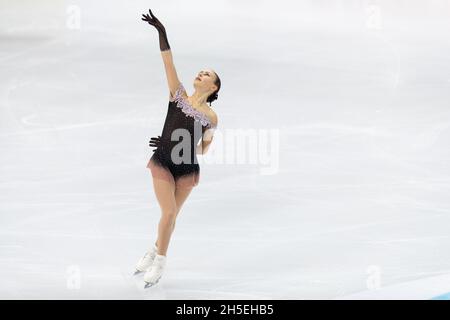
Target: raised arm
x=166 y=53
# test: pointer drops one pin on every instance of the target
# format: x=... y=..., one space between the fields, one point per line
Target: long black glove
x=151 y=19
x=154 y=142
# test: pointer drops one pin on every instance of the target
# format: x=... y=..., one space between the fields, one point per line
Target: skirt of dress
x=173 y=173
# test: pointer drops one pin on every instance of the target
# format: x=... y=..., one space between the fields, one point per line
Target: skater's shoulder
x=212 y=116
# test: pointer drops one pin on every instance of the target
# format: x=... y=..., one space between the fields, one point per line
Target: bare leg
x=165 y=194
x=181 y=195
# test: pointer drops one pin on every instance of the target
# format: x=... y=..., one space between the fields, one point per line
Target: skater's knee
x=170 y=213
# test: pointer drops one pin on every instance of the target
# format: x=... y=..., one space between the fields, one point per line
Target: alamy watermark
x=73 y=277
x=373 y=17
x=259 y=147
x=373 y=281
x=73 y=20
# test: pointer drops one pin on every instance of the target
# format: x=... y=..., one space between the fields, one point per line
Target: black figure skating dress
x=175 y=158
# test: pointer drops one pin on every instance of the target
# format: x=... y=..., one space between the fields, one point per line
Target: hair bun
x=212 y=97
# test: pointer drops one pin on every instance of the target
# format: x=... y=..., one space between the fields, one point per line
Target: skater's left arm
x=207 y=136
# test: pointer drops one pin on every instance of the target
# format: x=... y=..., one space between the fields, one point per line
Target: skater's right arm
x=171 y=73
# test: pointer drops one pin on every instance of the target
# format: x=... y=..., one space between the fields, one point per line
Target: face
x=205 y=80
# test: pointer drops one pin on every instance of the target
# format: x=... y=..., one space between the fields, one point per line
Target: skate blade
x=137 y=272
x=150 y=284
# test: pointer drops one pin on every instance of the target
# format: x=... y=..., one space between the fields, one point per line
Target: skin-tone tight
x=170 y=199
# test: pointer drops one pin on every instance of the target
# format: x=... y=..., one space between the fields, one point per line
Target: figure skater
x=173 y=165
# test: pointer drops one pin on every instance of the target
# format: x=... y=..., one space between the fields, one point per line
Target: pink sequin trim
x=190 y=110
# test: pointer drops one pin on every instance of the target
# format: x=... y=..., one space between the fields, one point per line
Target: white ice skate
x=155 y=272
x=146 y=261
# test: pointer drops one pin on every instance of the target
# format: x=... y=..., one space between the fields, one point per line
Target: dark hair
x=213 y=96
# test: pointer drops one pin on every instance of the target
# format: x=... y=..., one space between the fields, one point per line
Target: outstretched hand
x=151 y=19
x=163 y=41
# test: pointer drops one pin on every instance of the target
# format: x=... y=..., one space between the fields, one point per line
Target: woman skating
x=173 y=165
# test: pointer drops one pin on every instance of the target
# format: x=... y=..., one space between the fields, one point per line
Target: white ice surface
x=360 y=94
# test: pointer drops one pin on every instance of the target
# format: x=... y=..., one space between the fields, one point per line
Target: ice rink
x=349 y=199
